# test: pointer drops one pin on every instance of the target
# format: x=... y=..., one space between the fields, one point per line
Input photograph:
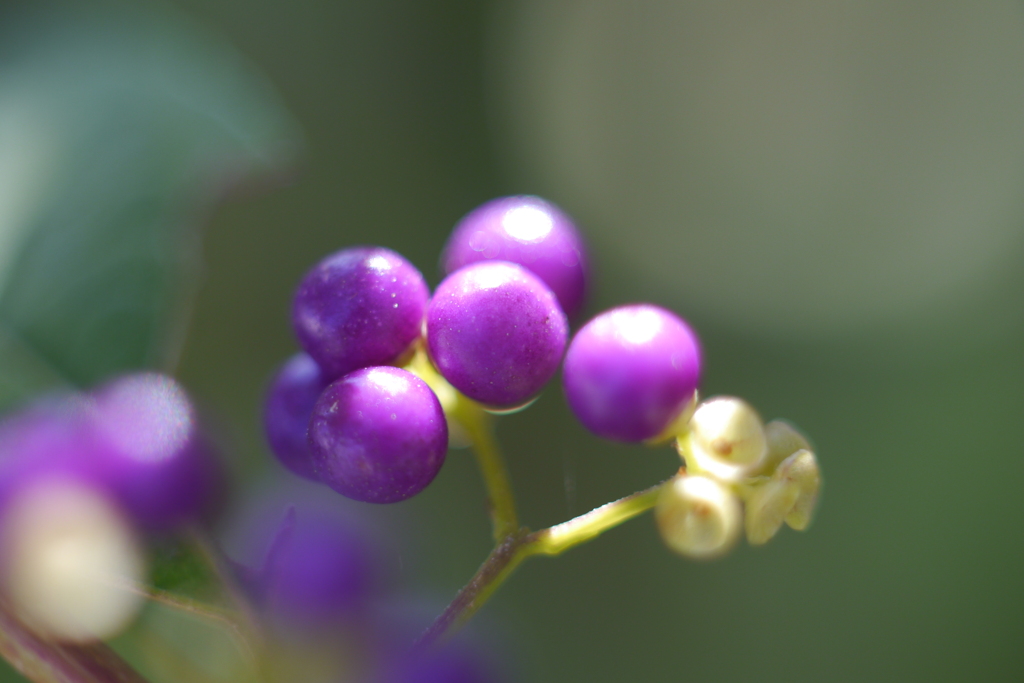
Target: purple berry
x=286 y=412
x=319 y=568
x=531 y=232
x=149 y=450
x=359 y=307
x=452 y=663
x=50 y=438
x=378 y=435
x=630 y=371
x=496 y=332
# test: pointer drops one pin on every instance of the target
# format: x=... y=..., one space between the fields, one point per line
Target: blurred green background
x=831 y=193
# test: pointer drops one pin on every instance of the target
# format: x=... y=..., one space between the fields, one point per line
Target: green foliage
x=118 y=132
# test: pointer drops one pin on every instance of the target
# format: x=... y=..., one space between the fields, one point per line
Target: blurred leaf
x=119 y=130
x=180 y=568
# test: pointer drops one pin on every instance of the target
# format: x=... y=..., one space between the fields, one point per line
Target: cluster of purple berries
x=496 y=329
x=321 y=579
x=82 y=478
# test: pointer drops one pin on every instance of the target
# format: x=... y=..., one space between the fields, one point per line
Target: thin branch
x=477 y=424
x=44 y=661
x=503 y=560
x=203 y=611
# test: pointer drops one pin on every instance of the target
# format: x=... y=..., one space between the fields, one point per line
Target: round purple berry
x=496 y=332
x=359 y=307
x=319 y=568
x=149 y=450
x=630 y=371
x=49 y=438
x=531 y=232
x=287 y=410
x=378 y=435
x=451 y=663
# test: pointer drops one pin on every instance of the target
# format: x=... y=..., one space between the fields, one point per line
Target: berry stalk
x=477 y=424
x=515 y=548
x=45 y=661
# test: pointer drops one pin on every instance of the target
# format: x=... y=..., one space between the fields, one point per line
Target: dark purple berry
x=531 y=232
x=496 y=332
x=378 y=435
x=287 y=410
x=630 y=371
x=359 y=307
x=451 y=663
x=149 y=450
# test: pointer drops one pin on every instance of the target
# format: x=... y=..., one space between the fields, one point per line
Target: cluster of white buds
x=730 y=456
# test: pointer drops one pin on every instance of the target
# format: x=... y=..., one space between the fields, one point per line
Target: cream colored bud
x=698 y=517
x=783 y=441
x=726 y=438
x=70 y=562
x=802 y=469
x=790 y=496
x=767 y=507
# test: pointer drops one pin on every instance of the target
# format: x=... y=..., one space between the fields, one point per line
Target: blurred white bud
x=698 y=517
x=70 y=560
x=767 y=507
x=783 y=441
x=790 y=495
x=802 y=468
x=726 y=438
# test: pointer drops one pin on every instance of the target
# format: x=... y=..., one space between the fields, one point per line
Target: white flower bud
x=789 y=495
x=802 y=468
x=726 y=438
x=767 y=507
x=783 y=441
x=69 y=562
x=698 y=517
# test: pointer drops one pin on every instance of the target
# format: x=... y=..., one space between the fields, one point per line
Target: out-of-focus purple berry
x=496 y=332
x=319 y=568
x=531 y=232
x=630 y=371
x=451 y=663
x=150 y=450
x=359 y=307
x=48 y=438
x=378 y=435
x=287 y=410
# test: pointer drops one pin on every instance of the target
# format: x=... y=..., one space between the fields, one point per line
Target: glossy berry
x=359 y=307
x=698 y=517
x=531 y=232
x=378 y=435
x=630 y=372
x=287 y=410
x=496 y=332
x=151 y=452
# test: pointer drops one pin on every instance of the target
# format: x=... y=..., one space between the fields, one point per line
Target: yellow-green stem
x=478 y=425
x=515 y=548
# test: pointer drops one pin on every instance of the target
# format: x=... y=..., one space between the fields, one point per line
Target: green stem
x=478 y=425
x=559 y=538
x=515 y=548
